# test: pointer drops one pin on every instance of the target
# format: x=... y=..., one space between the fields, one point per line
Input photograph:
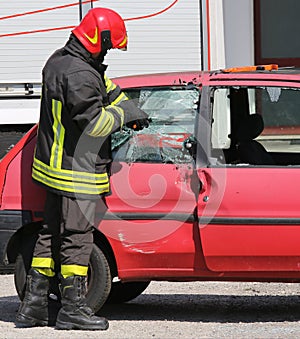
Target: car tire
x=99 y=279
x=123 y=292
x=20 y=276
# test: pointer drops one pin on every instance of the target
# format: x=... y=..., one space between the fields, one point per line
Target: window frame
x=284 y=147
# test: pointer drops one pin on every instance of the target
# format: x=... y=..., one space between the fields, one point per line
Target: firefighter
x=80 y=108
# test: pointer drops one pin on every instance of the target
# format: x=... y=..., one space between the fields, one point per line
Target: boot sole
x=69 y=326
x=23 y=321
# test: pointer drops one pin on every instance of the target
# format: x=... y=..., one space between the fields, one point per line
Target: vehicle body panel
x=254 y=228
x=249 y=216
x=191 y=219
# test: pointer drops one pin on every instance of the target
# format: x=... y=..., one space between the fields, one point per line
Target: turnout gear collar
x=75 y=48
x=101 y=29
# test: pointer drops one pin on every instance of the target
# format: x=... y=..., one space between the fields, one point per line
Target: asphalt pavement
x=181 y=310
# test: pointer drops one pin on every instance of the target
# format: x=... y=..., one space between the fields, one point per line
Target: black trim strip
x=147 y=216
x=139 y=216
x=38 y=214
x=13 y=220
x=249 y=221
x=191 y=218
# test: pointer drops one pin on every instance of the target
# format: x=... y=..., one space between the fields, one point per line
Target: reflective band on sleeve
x=59 y=134
x=104 y=124
x=120 y=111
x=109 y=84
x=115 y=93
x=70 y=270
x=120 y=98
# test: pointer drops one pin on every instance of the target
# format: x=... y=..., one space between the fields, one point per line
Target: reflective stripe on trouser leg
x=44 y=266
x=46 y=251
x=69 y=270
x=67 y=232
x=77 y=235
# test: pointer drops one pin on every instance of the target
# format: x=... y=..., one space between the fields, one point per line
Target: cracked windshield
x=172 y=112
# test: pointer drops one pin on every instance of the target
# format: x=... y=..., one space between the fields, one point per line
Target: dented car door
x=248 y=206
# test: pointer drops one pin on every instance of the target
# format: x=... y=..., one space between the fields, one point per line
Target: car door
x=249 y=213
x=152 y=173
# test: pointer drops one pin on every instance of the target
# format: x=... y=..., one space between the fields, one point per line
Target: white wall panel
x=23 y=56
x=166 y=42
x=238 y=32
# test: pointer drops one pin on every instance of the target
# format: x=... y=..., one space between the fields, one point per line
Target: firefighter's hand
x=139 y=124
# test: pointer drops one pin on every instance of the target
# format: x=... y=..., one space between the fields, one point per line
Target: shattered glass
x=172 y=112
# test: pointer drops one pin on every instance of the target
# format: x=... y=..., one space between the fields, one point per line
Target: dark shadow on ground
x=10 y=305
x=188 y=308
x=207 y=308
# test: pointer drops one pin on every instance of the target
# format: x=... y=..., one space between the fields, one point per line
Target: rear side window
x=279 y=110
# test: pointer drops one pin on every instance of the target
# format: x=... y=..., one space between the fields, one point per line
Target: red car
x=210 y=191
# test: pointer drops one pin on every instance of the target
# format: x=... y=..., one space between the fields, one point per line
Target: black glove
x=135 y=118
x=139 y=124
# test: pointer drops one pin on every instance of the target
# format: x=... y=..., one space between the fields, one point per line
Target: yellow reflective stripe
x=93 y=39
x=70 y=175
x=104 y=124
x=70 y=183
x=109 y=84
x=120 y=111
x=70 y=270
x=120 y=98
x=72 y=187
x=123 y=42
x=42 y=263
x=58 y=133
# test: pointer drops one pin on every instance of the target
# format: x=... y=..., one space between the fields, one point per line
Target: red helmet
x=101 y=29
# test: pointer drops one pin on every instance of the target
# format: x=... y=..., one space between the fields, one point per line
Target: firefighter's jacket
x=80 y=109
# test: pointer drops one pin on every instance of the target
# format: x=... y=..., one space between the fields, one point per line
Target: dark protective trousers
x=67 y=232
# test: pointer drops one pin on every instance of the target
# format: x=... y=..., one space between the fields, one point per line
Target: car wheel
x=20 y=276
x=122 y=292
x=99 y=279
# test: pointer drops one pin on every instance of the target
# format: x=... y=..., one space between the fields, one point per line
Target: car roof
x=196 y=77
x=159 y=79
x=280 y=73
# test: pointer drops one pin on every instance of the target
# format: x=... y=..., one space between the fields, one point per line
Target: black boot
x=75 y=314
x=33 y=310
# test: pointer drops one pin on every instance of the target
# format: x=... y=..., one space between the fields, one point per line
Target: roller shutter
x=166 y=42
x=23 y=56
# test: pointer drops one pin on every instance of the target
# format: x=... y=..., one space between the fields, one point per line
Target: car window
x=280 y=108
x=234 y=126
x=172 y=112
